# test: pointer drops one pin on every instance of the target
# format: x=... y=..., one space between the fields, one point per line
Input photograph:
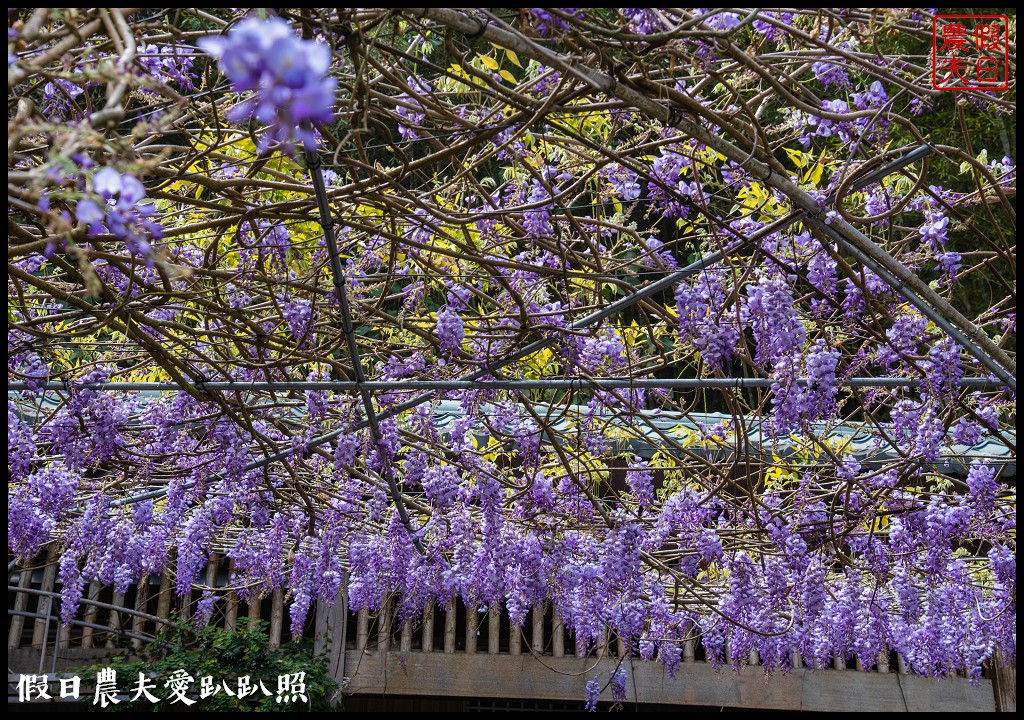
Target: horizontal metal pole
x=82 y=623
x=538 y=384
x=88 y=601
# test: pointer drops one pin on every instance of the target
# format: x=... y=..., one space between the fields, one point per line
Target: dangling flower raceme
x=593 y=693
x=122 y=214
x=288 y=75
x=450 y=331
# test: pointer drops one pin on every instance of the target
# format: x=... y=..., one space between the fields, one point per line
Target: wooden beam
x=698 y=683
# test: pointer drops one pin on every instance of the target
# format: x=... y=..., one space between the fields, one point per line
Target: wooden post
x=231 y=601
x=362 y=629
x=211 y=571
x=211 y=576
x=20 y=603
x=538 y=629
x=115 y=620
x=449 y=628
x=320 y=634
x=63 y=641
x=163 y=603
x=689 y=651
x=839 y=662
x=45 y=606
x=515 y=639
x=472 y=630
x=254 y=611
x=557 y=633
x=494 y=629
x=184 y=604
x=141 y=598
x=337 y=632
x=230 y=610
x=405 y=644
x=89 y=614
x=384 y=627
x=1004 y=683
x=427 y=641
x=276 y=619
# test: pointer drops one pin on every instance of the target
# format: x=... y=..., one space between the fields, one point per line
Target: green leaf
x=800 y=159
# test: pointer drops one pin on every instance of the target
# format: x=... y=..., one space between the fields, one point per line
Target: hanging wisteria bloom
x=450 y=331
x=122 y=215
x=167 y=63
x=288 y=75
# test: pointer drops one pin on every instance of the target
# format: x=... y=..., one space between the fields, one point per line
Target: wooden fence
x=461 y=653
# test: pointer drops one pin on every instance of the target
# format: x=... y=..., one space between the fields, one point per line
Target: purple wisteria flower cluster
x=548 y=23
x=288 y=76
x=169 y=64
x=122 y=214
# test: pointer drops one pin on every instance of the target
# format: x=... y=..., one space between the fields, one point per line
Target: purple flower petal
x=89 y=212
x=107 y=183
x=131 y=192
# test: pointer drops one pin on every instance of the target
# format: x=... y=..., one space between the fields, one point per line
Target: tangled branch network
x=694 y=323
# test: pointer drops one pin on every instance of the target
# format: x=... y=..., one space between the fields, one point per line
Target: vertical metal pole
x=327 y=223
x=46 y=633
